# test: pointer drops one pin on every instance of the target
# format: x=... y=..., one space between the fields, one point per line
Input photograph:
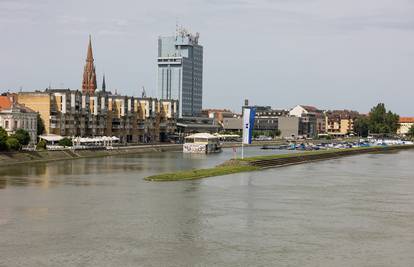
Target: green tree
x=22 y=136
x=41 y=144
x=40 y=125
x=3 y=139
x=361 y=126
x=13 y=143
x=382 y=122
x=277 y=133
x=65 y=142
x=411 y=131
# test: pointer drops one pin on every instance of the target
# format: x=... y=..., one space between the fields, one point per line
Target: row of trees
x=379 y=121
x=15 y=141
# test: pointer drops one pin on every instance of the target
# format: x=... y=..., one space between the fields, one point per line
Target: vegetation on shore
x=378 y=121
x=201 y=173
x=15 y=141
x=305 y=153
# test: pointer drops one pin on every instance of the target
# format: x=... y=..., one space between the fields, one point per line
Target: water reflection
x=352 y=211
x=85 y=172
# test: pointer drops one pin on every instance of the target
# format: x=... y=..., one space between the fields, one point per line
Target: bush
x=65 y=142
x=3 y=139
x=41 y=144
x=411 y=132
x=13 y=143
x=22 y=136
x=40 y=125
x=277 y=133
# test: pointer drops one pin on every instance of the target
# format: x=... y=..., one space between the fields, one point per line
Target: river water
x=353 y=211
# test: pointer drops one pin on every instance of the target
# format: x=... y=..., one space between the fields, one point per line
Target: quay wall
x=24 y=157
x=303 y=158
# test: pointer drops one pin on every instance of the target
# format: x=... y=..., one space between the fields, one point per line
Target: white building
x=14 y=116
x=405 y=124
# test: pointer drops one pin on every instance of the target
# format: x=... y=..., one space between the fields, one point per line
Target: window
x=7 y=125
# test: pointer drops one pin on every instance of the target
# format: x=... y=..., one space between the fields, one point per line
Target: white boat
x=201 y=143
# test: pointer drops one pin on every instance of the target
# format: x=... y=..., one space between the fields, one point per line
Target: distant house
x=405 y=124
x=14 y=116
x=340 y=122
x=312 y=120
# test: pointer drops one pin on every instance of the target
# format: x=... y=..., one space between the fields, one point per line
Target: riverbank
x=27 y=157
x=42 y=156
x=271 y=161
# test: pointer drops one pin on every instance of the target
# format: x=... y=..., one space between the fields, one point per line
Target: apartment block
x=70 y=113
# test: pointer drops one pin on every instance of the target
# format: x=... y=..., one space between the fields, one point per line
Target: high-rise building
x=180 y=71
x=89 y=75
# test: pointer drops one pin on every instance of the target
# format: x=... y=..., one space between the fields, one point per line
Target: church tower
x=103 y=84
x=89 y=75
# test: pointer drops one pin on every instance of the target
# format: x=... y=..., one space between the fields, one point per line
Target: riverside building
x=70 y=113
x=340 y=123
x=14 y=116
x=180 y=71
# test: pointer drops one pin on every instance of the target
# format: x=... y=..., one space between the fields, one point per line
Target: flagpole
x=242 y=150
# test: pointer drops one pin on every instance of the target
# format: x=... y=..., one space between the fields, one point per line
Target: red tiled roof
x=406 y=119
x=5 y=102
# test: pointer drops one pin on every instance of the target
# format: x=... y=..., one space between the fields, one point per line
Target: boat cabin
x=201 y=143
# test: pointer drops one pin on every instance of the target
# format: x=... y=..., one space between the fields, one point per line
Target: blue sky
x=328 y=53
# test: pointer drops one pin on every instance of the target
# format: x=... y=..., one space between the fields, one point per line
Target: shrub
x=13 y=143
x=22 y=136
x=41 y=144
x=65 y=142
x=40 y=125
x=3 y=139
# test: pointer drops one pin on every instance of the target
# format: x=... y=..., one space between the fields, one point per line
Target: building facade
x=288 y=126
x=70 y=113
x=312 y=120
x=340 y=122
x=405 y=124
x=180 y=71
x=14 y=116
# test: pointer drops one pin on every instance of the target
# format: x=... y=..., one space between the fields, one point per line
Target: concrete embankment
x=24 y=157
x=290 y=159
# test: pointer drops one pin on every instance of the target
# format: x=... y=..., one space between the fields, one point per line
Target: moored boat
x=201 y=143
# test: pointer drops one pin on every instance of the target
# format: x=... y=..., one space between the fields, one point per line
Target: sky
x=333 y=54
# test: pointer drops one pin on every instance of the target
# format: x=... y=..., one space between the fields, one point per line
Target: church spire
x=103 y=84
x=89 y=57
x=89 y=75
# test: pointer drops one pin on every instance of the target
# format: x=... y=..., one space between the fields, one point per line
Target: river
x=352 y=211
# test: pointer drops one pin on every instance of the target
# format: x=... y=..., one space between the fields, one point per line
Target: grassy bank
x=261 y=162
x=308 y=153
x=201 y=173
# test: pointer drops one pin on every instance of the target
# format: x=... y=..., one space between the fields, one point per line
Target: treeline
x=379 y=121
x=15 y=141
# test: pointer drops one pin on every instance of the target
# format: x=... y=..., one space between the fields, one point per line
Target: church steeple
x=89 y=57
x=89 y=75
x=103 y=84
